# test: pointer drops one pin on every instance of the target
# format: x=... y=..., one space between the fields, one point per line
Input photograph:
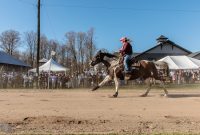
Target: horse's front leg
x=106 y=79
x=148 y=89
x=163 y=86
x=116 y=86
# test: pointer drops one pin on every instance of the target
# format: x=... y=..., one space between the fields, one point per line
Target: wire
x=114 y=8
x=125 y=8
x=28 y=2
x=50 y=23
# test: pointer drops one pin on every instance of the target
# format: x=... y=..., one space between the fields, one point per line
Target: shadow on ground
x=183 y=95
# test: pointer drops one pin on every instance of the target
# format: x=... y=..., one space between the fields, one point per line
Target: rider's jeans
x=126 y=62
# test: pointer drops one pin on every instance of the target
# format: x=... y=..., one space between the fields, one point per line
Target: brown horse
x=142 y=69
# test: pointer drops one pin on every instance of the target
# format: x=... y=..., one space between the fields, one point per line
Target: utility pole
x=38 y=42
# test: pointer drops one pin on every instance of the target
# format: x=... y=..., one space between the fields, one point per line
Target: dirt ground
x=83 y=111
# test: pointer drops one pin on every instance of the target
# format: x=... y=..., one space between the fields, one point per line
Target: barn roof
x=194 y=54
x=161 y=37
x=10 y=60
x=165 y=42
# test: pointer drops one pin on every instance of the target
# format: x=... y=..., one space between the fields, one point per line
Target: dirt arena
x=82 y=111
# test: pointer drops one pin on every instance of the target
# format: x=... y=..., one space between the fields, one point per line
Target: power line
x=28 y=2
x=115 y=8
x=125 y=8
x=50 y=23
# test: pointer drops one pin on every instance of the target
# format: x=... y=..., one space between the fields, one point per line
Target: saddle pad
x=137 y=64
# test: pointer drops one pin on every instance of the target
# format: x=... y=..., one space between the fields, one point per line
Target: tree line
x=75 y=53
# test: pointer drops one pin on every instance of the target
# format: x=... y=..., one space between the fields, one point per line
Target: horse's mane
x=109 y=55
x=111 y=58
x=114 y=59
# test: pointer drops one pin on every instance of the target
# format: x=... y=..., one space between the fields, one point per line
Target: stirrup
x=128 y=72
x=127 y=76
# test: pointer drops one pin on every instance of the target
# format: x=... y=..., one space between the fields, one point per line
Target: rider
x=126 y=51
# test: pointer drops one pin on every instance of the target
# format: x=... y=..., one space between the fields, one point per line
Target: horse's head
x=98 y=58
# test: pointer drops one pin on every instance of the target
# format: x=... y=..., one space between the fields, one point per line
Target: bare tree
x=9 y=41
x=44 y=47
x=31 y=42
x=18 y=55
x=54 y=46
x=90 y=46
x=62 y=54
x=90 y=42
x=68 y=57
x=81 y=41
x=23 y=56
x=71 y=45
x=80 y=48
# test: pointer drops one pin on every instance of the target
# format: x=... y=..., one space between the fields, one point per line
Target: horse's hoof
x=165 y=95
x=95 y=88
x=143 y=95
x=115 y=95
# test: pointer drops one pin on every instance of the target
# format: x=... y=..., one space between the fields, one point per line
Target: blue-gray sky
x=141 y=20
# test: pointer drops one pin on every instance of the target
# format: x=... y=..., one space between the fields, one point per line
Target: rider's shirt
x=126 y=49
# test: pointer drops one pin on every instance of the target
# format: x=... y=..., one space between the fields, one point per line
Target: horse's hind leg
x=148 y=89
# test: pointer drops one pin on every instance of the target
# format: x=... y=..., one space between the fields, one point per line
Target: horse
x=143 y=69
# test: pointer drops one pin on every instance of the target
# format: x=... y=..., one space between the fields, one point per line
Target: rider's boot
x=127 y=75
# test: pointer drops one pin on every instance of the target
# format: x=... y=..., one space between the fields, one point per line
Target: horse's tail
x=161 y=70
x=154 y=70
x=165 y=68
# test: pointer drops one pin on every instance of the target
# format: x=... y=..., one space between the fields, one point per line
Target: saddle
x=132 y=63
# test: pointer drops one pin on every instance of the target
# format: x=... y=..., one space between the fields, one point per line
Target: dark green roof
x=10 y=60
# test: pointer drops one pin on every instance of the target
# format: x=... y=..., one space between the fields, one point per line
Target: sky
x=143 y=21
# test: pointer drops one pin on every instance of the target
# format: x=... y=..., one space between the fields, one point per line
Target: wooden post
x=38 y=43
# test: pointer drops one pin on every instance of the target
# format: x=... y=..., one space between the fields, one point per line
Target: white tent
x=43 y=60
x=181 y=62
x=50 y=65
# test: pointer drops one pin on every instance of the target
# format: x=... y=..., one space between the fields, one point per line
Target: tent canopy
x=50 y=65
x=181 y=62
x=43 y=60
